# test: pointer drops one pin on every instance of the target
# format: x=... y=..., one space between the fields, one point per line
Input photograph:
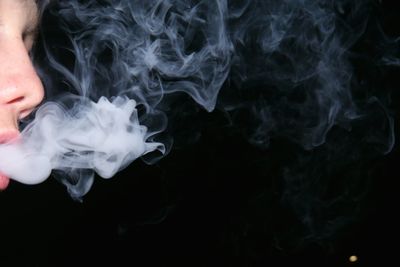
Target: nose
x=20 y=90
x=20 y=87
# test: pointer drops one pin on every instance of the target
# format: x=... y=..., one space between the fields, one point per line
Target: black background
x=179 y=213
x=211 y=203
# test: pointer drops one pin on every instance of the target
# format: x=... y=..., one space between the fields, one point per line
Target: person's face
x=20 y=88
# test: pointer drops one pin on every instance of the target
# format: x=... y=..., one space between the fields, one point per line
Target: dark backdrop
x=215 y=202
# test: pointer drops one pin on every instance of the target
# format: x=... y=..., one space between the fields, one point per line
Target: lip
x=7 y=137
x=4 y=182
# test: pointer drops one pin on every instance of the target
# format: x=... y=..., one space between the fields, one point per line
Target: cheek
x=28 y=42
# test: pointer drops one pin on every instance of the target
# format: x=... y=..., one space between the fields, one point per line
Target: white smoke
x=284 y=63
x=103 y=137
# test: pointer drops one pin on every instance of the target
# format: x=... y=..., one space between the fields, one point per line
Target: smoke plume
x=117 y=71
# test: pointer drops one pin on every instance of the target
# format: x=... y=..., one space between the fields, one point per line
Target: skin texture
x=20 y=87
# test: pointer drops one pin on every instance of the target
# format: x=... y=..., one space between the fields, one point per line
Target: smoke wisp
x=277 y=68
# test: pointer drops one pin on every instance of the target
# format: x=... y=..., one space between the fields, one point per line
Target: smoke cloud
x=103 y=136
x=115 y=71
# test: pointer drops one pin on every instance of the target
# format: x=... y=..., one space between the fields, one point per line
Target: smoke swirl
x=117 y=73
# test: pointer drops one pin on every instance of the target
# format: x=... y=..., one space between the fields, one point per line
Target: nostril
x=16 y=100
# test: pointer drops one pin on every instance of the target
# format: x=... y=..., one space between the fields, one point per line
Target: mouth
x=4 y=182
x=7 y=137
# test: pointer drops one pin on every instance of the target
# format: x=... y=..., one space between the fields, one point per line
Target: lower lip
x=4 y=181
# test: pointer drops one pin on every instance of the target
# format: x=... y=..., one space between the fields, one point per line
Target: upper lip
x=9 y=136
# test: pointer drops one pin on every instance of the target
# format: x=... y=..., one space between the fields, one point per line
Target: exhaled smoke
x=101 y=136
x=284 y=67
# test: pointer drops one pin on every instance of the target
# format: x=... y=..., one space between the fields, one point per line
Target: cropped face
x=20 y=88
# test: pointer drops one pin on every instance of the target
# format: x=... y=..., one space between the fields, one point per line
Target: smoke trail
x=278 y=68
x=102 y=136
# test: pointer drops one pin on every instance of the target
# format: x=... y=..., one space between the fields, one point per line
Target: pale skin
x=20 y=87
